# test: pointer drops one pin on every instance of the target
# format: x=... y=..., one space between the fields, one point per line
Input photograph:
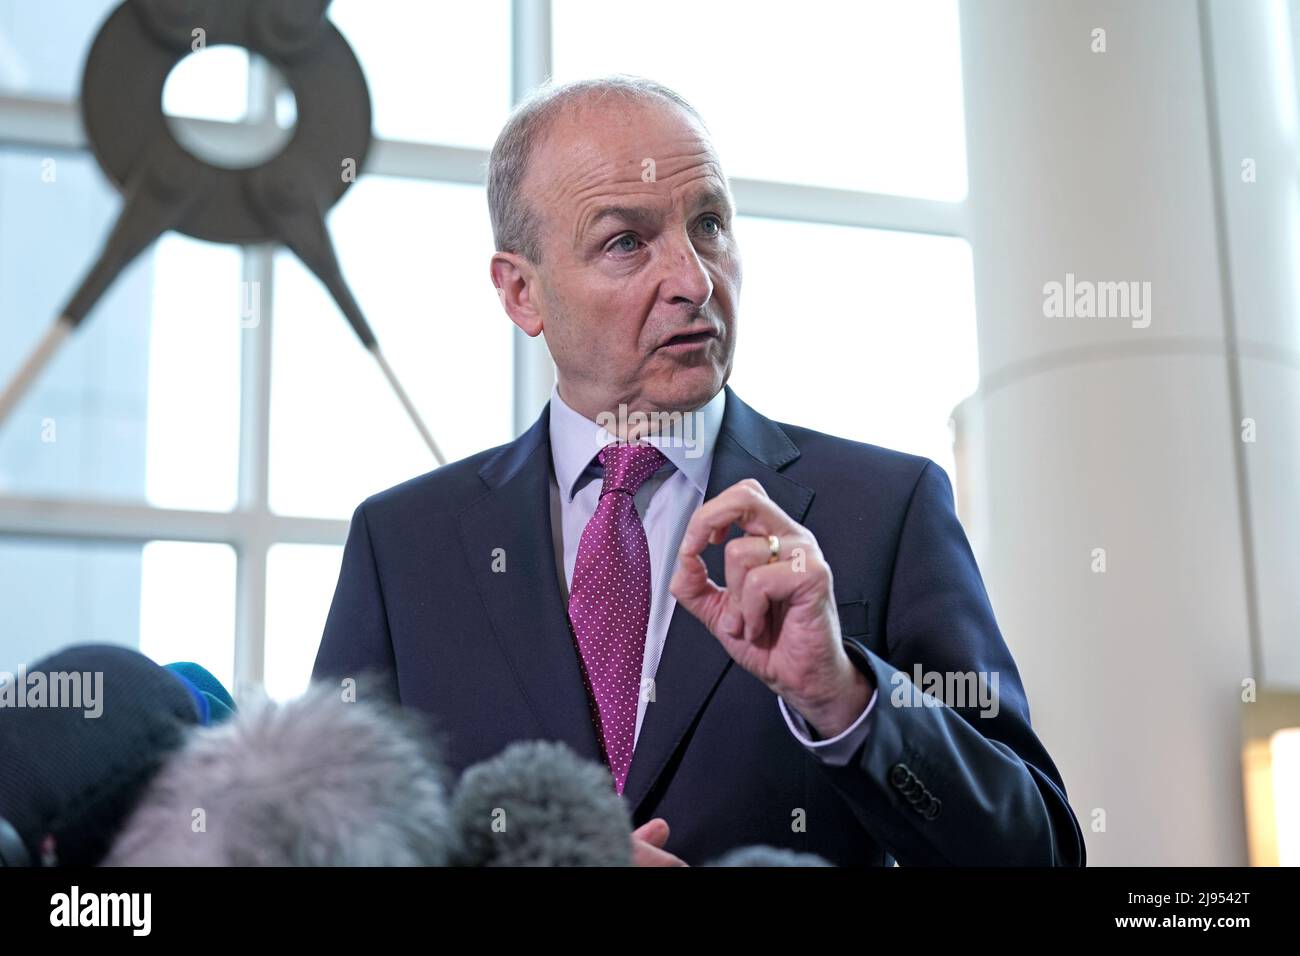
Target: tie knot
x=628 y=467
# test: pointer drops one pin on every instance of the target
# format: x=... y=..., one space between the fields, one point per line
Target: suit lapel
x=524 y=602
x=693 y=661
x=527 y=612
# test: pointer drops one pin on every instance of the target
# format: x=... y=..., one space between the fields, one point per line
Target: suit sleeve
x=948 y=778
x=356 y=643
x=838 y=750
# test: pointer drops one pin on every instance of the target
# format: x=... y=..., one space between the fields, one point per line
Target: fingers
x=782 y=585
x=654 y=832
x=647 y=845
x=744 y=503
x=643 y=854
x=741 y=556
x=747 y=504
x=743 y=553
x=766 y=586
x=693 y=590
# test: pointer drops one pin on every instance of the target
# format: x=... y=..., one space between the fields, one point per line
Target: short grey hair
x=514 y=223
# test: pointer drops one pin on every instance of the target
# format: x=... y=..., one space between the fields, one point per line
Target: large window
x=856 y=94
x=180 y=478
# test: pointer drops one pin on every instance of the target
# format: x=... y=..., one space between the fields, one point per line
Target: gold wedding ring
x=773 y=549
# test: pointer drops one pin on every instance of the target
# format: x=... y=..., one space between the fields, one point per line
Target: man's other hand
x=647 y=845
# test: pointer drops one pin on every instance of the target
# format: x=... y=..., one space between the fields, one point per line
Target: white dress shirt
x=665 y=504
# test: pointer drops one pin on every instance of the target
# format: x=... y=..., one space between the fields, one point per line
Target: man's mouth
x=685 y=341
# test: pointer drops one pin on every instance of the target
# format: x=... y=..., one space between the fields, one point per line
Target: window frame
x=54 y=126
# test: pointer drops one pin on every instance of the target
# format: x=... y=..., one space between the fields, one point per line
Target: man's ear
x=517 y=286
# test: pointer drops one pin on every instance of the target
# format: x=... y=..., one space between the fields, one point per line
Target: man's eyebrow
x=635 y=215
x=643 y=217
x=713 y=196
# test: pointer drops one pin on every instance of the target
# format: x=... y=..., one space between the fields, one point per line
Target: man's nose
x=685 y=278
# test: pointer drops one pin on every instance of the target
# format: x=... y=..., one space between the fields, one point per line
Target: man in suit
x=731 y=614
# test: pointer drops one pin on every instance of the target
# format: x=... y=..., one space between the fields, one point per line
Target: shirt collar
x=575 y=440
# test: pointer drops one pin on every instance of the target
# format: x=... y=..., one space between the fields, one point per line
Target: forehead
x=606 y=149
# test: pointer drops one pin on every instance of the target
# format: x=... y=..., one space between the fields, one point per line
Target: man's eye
x=715 y=220
x=621 y=243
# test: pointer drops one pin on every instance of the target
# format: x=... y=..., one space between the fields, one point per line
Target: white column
x=1094 y=436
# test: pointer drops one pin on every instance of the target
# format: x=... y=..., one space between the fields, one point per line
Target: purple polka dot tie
x=609 y=601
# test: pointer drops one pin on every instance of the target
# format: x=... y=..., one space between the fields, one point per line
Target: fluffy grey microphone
x=318 y=781
x=767 y=856
x=537 y=803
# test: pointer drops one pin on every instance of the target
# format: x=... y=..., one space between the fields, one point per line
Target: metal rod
x=27 y=372
x=407 y=404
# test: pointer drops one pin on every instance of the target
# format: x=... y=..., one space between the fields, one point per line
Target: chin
x=689 y=388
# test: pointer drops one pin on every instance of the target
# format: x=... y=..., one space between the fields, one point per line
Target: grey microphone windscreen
x=317 y=781
x=537 y=803
x=767 y=856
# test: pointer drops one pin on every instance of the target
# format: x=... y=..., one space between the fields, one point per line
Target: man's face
x=640 y=272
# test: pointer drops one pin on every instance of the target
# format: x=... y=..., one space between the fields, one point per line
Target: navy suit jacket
x=490 y=656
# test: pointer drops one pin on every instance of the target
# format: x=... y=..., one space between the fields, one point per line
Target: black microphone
x=537 y=803
x=316 y=781
x=81 y=734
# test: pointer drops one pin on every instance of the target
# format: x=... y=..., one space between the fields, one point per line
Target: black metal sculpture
x=165 y=186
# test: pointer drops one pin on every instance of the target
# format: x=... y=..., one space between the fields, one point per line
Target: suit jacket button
x=899 y=775
x=933 y=810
